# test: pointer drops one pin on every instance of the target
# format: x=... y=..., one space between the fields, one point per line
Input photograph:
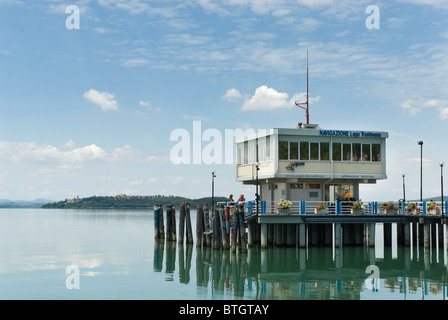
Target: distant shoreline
x=127 y=202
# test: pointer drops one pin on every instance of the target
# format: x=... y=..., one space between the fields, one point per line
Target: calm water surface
x=118 y=258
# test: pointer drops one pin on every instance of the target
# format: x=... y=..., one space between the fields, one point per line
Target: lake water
x=117 y=258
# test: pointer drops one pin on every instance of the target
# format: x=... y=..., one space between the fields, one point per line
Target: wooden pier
x=242 y=225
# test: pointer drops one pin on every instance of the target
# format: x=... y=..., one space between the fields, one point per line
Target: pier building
x=309 y=163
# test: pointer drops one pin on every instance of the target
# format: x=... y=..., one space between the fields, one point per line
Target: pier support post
x=290 y=235
x=372 y=227
x=264 y=235
x=302 y=235
x=427 y=234
x=407 y=234
x=338 y=233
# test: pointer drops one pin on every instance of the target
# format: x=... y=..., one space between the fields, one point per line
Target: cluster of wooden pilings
x=224 y=227
x=170 y=233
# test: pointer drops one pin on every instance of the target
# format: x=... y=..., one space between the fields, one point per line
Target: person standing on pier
x=241 y=199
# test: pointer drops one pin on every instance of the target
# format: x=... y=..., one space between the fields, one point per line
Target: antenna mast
x=307 y=92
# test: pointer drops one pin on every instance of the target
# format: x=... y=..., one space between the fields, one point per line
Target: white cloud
x=267 y=99
x=409 y=108
x=232 y=95
x=133 y=63
x=31 y=151
x=412 y=107
x=151 y=180
x=105 y=100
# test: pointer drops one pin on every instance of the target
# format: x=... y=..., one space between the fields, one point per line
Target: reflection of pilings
x=170 y=223
x=159 y=229
x=170 y=260
x=159 y=246
x=185 y=256
x=185 y=224
x=202 y=266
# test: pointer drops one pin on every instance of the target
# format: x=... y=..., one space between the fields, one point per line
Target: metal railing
x=342 y=207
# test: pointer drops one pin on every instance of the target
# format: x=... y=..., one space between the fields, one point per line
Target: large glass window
x=314 y=148
x=324 y=151
x=304 y=150
x=246 y=152
x=337 y=151
x=356 y=151
x=347 y=152
x=376 y=152
x=366 y=152
x=283 y=150
x=293 y=150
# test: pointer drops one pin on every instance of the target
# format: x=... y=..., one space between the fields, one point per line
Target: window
x=304 y=151
x=268 y=148
x=376 y=152
x=337 y=151
x=246 y=152
x=294 y=150
x=312 y=186
x=356 y=152
x=296 y=186
x=283 y=150
x=314 y=147
x=324 y=151
x=347 y=152
x=366 y=152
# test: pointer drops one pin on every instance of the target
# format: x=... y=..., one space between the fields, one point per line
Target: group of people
x=240 y=199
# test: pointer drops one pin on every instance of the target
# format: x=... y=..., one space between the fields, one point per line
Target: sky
x=91 y=91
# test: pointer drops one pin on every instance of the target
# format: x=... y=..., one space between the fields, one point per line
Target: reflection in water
x=317 y=273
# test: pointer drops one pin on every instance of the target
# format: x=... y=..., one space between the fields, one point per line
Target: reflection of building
x=309 y=163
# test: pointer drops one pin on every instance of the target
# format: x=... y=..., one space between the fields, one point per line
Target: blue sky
x=90 y=111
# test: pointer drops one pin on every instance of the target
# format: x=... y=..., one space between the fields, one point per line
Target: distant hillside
x=37 y=203
x=126 y=202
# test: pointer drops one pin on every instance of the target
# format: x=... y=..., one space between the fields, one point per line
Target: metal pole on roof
x=307 y=94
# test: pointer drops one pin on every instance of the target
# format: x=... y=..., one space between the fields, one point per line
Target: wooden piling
x=199 y=225
x=180 y=238
x=235 y=231
x=207 y=226
x=224 y=226
x=242 y=229
x=170 y=223
x=189 y=234
x=159 y=229
x=216 y=229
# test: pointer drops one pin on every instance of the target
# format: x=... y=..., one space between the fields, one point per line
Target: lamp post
x=420 y=143
x=213 y=190
x=404 y=188
x=441 y=184
x=257 y=197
